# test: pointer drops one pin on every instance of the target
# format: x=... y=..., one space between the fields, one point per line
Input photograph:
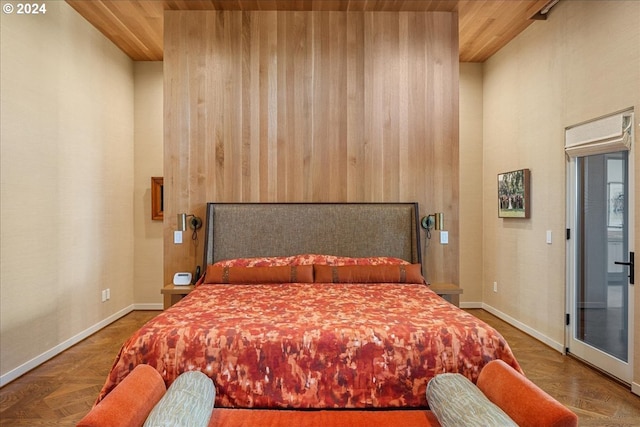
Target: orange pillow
x=280 y=274
x=405 y=273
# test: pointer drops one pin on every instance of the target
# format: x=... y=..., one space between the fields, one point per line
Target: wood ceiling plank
x=486 y=26
x=144 y=21
x=137 y=27
x=123 y=24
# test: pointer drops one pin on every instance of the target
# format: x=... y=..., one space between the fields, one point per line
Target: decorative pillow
x=405 y=273
x=273 y=261
x=316 y=259
x=188 y=402
x=456 y=401
x=280 y=274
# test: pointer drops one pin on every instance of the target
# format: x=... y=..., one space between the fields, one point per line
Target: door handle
x=631 y=265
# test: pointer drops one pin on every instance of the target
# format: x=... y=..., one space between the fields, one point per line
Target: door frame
x=623 y=371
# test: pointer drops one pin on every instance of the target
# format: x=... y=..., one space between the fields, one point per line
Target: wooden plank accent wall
x=311 y=106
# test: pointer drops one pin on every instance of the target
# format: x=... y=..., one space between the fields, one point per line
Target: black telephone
x=197 y=275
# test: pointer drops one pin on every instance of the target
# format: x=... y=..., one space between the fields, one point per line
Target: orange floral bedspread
x=313 y=345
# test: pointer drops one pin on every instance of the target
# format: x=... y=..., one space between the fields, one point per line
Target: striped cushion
x=188 y=402
x=405 y=273
x=456 y=401
x=276 y=274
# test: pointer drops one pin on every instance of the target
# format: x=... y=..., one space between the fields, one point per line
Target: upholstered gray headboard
x=236 y=230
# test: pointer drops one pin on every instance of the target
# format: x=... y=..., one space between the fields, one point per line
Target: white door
x=600 y=250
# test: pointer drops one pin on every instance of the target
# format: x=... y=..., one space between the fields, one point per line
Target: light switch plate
x=444 y=237
x=177 y=237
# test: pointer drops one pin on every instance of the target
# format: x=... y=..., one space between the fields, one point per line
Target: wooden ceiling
x=136 y=27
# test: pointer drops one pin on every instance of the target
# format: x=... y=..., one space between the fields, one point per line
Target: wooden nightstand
x=448 y=291
x=173 y=294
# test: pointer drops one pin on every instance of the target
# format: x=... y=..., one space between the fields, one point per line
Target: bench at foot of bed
x=499 y=388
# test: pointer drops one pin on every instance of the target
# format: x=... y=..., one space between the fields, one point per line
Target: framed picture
x=514 y=200
x=157 y=198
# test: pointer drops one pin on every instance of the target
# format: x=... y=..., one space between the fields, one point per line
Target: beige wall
x=67 y=183
x=582 y=63
x=471 y=231
x=148 y=162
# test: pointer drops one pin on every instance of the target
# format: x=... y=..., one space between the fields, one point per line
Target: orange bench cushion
x=352 y=418
x=129 y=404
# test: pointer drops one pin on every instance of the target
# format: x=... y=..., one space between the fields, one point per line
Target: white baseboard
x=528 y=330
x=38 y=360
x=148 y=306
x=635 y=388
x=470 y=304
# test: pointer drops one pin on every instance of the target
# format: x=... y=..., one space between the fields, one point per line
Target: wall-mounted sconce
x=433 y=221
x=430 y=222
x=195 y=223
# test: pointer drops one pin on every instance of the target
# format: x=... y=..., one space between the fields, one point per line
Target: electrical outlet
x=104 y=295
x=108 y=294
x=548 y=237
x=495 y=286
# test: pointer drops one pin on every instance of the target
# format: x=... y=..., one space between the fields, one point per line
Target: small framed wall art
x=514 y=200
x=157 y=198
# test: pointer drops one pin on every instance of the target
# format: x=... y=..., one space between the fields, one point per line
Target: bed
x=313 y=306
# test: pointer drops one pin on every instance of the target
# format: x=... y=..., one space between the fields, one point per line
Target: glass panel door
x=600 y=295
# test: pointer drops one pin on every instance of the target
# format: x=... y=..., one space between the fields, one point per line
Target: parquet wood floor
x=595 y=398
x=62 y=390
